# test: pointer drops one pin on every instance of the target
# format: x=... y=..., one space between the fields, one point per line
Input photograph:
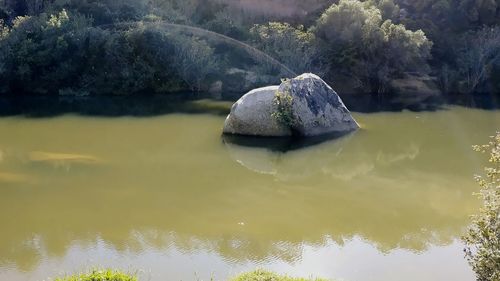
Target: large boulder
x=303 y=106
x=252 y=115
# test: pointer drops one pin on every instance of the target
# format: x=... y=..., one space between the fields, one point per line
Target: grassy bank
x=112 y=275
x=262 y=275
x=100 y=275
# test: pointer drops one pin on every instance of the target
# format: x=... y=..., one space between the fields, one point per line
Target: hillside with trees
x=374 y=47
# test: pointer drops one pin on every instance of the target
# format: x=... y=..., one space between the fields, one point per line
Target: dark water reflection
x=278 y=144
x=114 y=106
x=219 y=104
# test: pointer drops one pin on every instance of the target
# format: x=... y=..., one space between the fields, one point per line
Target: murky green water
x=166 y=196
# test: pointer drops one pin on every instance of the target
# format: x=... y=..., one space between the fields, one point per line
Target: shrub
x=483 y=237
x=37 y=52
x=100 y=275
x=194 y=60
x=227 y=24
x=283 y=107
x=294 y=46
x=359 y=43
x=49 y=54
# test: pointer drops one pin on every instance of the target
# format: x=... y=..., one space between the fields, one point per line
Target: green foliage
x=389 y=9
x=100 y=275
x=483 y=237
x=225 y=23
x=38 y=51
x=63 y=53
x=446 y=21
x=457 y=15
x=357 y=42
x=283 y=107
x=194 y=60
x=294 y=46
x=51 y=46
x=262 y=275
x=113 y=275
x=102 y=11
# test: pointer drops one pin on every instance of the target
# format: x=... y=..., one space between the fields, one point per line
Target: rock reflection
x=277 y=144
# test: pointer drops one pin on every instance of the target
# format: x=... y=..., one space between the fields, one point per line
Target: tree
x=359 y=43
x=293 y=46
x=62 y=53
x=483 y=236
x=479 y=52
x=194 y=60
x=36 y=53
x=479 y=12
x=389 y=9
x=225 y=23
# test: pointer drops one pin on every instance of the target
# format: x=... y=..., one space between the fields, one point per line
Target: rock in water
x=252 y=115
x=303 y=106
x=316 y=107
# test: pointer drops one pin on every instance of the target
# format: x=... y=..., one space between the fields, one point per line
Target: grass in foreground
x=100 y=275
x=113 y=275
x=262 y=275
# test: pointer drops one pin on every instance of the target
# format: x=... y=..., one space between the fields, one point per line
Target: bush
x=225 y=23
x=294 y=46
x=483 y=237
x=194 y=61
x=357 y=42
x=283 y=106
x=102 y=11
x=262 y=275
x=100 y=275
x=37 y=52
x=64 y=53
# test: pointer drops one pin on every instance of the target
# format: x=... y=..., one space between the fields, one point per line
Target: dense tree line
x=60 y=46
x=66 y=55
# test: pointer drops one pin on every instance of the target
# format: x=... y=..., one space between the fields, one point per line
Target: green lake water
x=167 y=197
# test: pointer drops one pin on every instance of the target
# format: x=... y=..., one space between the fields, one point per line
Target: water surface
x=168 y=197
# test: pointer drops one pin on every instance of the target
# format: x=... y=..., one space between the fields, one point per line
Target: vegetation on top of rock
x=304 y=106
x=283 y=106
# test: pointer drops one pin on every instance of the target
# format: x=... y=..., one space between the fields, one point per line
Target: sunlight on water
x=168 y=197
